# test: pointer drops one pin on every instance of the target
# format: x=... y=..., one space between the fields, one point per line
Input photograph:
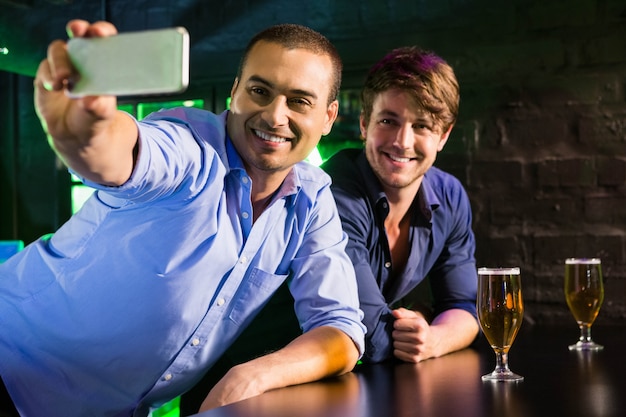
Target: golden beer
x=501 y=325
x=584 y=304
x=500 y=312
x=584 y=294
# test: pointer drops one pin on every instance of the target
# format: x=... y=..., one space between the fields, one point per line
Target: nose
x=405 y=137
x=276 y=113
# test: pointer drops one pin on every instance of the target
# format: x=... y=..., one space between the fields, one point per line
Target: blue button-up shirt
x=132 y=300
x=441 y=245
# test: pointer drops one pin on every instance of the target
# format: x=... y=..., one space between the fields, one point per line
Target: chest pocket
x=252 y=295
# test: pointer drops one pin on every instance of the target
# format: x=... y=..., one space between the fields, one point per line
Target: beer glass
x=584 y=293
x=500 y=312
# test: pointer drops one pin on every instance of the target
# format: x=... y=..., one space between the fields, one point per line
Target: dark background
x=540 y=143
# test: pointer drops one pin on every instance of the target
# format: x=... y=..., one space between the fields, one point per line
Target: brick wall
x=541 y=147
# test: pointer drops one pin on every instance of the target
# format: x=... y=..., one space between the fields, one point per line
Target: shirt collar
x=288 y=189
x=426 y=198
x=372 y=185
x=429 y=199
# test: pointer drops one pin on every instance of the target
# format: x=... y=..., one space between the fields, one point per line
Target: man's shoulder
x=353 y=183
x=310 y=173
x=441 y=179
x=445 y=187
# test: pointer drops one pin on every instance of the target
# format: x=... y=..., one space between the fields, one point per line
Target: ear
x=331 y=116
x=234 y=87
x=444 y=139
x=362 y=126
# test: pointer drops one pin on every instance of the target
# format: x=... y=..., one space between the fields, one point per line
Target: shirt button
x=244 y=180
x=245 y=214
x=387 y=264
x=243 y=260
x=220 y=302
x=167 y=377
x=195 y=342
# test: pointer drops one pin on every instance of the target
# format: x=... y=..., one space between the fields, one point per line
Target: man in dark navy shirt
x=408 y=221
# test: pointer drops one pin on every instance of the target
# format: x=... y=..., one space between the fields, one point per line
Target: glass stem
x=585 y=333
x=502 y=362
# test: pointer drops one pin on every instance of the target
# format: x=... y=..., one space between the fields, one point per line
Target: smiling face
x=279 y=108
x=401 y=141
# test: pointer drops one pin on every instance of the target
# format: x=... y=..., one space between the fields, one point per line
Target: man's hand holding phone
x=60 y=116
x=84 y=127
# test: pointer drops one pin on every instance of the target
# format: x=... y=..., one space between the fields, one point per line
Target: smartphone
x=133 y=63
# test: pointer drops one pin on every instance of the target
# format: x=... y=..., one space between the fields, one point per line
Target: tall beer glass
x=500 y=312
x=584 y=293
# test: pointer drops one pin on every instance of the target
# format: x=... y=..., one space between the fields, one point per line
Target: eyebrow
x=385 y=112
x=424 y=118
x=268 y=84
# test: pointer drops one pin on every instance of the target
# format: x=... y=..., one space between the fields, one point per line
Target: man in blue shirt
x=197 y=220
x=406 y=219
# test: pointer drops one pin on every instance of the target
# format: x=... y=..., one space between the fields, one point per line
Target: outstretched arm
x=319 y=353
x=89 y=134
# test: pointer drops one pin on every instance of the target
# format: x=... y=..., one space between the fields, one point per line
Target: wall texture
x=540 y=143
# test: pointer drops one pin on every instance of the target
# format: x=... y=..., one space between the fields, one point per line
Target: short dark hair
x=293 y=36
x=424 y=75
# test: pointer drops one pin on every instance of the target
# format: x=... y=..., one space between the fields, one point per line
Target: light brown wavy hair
x=428 y=79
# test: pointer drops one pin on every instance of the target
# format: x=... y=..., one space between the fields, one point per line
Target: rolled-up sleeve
x=323 y=281
x=453 y=277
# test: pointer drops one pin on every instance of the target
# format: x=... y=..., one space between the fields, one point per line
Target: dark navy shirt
x=441 y=240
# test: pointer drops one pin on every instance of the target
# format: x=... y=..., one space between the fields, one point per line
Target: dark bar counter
x=558 y=383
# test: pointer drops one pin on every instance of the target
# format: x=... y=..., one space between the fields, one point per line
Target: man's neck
x=264 y=188
x=400 y=201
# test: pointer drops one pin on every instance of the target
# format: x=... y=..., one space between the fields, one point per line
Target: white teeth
x=269 y=138
x=398 y=159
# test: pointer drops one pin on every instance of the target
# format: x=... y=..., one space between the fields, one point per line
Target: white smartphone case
x=134 y=63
